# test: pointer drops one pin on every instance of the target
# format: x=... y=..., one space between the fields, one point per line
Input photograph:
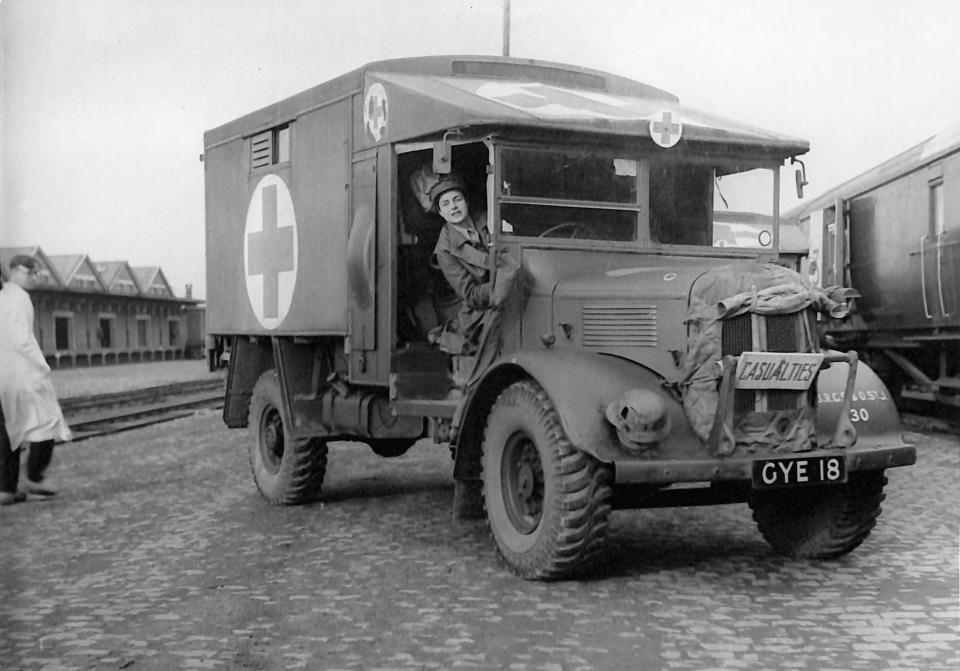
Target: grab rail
x=943 y=307
x=923 y=281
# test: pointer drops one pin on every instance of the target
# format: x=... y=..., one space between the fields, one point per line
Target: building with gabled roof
x=78 y=272
x=153 y=281
x=120 y=277
x=90 y=312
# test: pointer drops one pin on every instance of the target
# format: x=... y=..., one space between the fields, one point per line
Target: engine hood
x=665 y=281
x=633 y=311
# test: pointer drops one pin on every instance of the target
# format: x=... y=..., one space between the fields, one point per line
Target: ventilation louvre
x=619 y=325
x=261 y=150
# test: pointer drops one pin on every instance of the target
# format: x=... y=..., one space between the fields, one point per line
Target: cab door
x=362 y=270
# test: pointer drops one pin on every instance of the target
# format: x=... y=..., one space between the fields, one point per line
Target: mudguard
x=581 y=384
x=871 y=410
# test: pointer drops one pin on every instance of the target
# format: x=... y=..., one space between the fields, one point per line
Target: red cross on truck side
x=377 y=110
x=270 y=252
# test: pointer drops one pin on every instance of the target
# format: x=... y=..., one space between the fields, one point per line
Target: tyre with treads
x=822 y=522
x=547 y=503
x=286 y=471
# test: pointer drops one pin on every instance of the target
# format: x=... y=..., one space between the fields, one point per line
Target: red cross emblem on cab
x=375 y=111
x=270 y=251
x=665 y=128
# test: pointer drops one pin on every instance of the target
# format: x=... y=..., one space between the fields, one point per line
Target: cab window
x=719 y=205
x=568 y=194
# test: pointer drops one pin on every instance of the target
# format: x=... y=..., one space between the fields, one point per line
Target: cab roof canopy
x=429 y=95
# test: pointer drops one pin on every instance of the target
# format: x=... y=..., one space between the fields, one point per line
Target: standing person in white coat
x=29 y=412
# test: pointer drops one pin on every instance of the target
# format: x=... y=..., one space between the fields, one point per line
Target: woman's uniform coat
x=466 y=265
x=26 y=389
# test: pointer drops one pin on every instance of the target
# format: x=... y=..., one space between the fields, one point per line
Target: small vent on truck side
x=619 y=325
x=261 y=150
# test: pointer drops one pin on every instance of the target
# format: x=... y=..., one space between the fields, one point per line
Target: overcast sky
x=105 y=101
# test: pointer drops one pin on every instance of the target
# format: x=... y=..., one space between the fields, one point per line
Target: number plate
x=799 y=472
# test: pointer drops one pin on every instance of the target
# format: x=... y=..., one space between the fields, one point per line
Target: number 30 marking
x=859 y=415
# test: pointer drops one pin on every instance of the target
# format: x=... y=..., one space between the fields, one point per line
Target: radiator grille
x=619 y=325
x=783 y=334
x=737 y=335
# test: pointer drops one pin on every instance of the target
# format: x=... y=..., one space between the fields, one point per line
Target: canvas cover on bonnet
x=726 y=292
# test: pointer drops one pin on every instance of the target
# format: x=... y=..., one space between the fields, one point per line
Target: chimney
x=189 y=291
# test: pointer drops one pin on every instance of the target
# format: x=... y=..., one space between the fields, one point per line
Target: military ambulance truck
x=636 y=361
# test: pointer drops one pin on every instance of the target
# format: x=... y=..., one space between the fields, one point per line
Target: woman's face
x=452 y=206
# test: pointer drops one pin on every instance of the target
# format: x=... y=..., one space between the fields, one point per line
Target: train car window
x=936 y=207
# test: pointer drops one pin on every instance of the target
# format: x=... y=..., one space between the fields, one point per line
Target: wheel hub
x=525 y=481
x=522 y=482
x=271 y=440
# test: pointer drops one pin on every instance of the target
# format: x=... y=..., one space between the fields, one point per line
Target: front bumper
x=739 y=469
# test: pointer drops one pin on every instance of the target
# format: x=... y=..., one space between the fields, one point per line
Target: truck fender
x=580 y=385
x=872 y=411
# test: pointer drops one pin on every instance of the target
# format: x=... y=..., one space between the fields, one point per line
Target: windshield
x=597 y=195
x=718 y=205
x=568 y=194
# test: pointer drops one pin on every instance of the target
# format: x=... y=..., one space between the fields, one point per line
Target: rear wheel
x=286 y=471
x=824 y=522
x=547 y=503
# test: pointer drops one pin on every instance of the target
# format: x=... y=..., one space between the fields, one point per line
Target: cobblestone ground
x=159 y=554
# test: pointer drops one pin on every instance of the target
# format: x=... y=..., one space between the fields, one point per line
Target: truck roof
x=431 y=94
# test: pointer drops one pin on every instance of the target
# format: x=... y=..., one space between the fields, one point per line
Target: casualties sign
x=270 y=251
x=777 y=370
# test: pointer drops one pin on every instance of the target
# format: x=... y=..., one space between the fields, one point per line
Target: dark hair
x=27 y=262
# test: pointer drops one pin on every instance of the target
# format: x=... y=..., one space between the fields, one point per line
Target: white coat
x=27 y=396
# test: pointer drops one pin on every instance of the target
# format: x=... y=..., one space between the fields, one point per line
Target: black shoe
x=8 y=499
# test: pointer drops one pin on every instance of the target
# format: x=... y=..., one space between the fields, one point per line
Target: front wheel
x=286 y=471
x=547 y=502
x=823 y=522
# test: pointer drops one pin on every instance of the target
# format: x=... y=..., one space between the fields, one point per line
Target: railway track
x=102 y=414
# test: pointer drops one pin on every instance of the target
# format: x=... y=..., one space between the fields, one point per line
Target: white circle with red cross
x=666 y=128
x=375 y=110
x=270 y=251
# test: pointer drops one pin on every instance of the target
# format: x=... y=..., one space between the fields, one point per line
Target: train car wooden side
x=893 y=234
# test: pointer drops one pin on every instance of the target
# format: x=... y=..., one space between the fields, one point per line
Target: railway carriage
x=893 y=235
